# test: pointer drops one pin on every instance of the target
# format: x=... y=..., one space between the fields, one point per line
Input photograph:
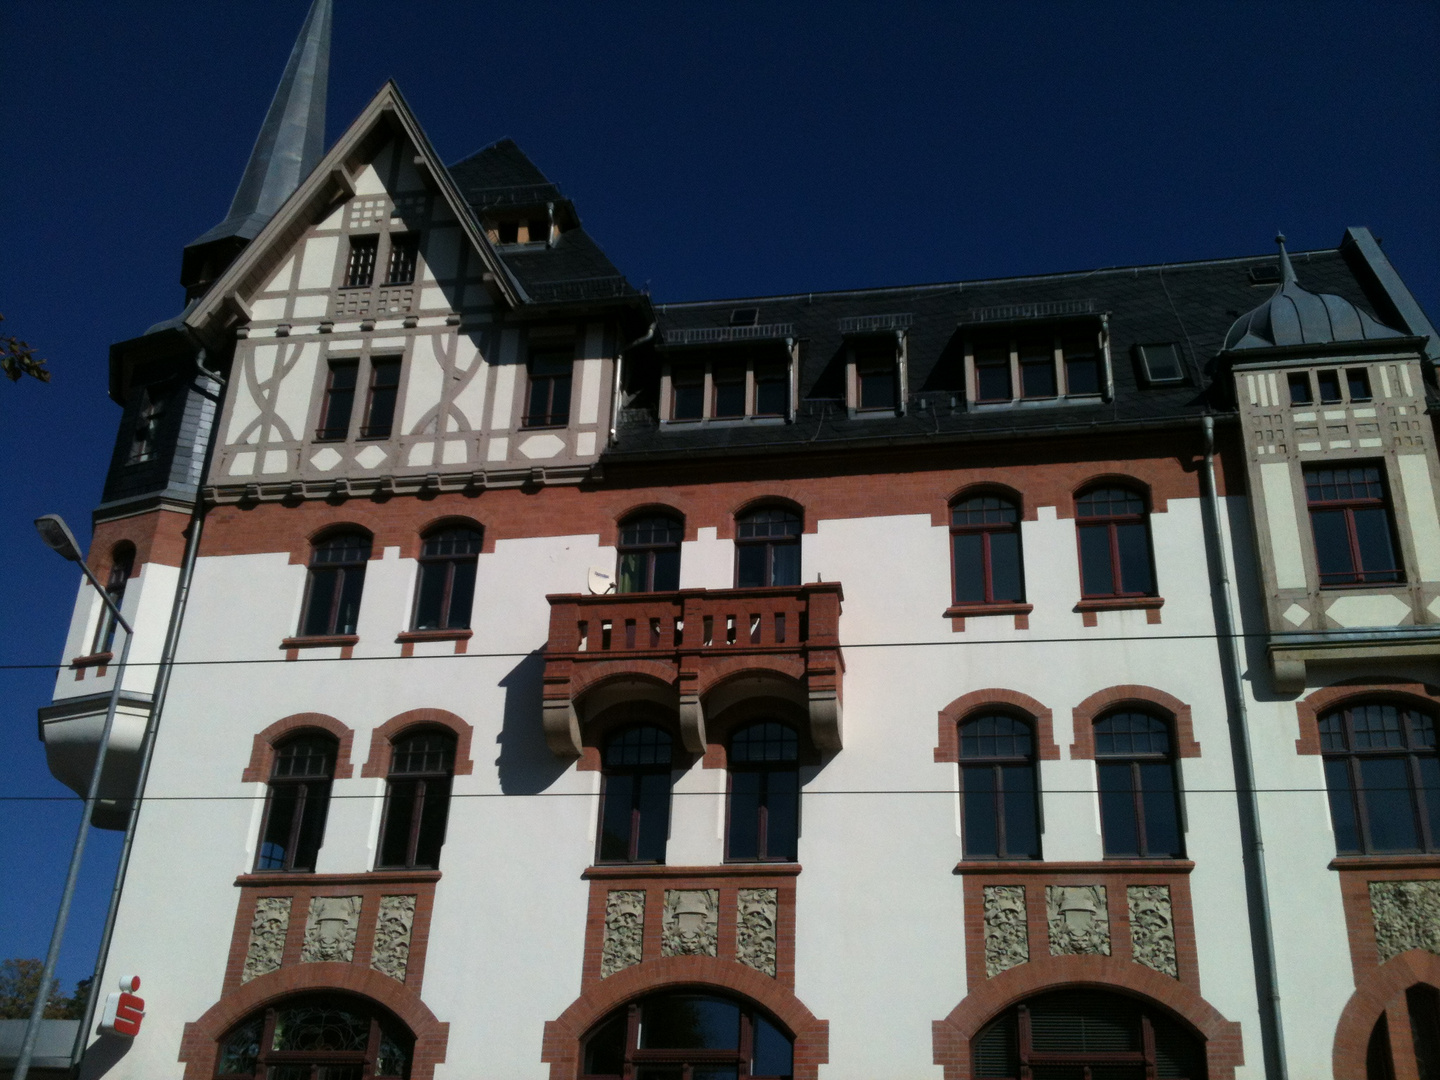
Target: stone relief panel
x=330 y=929
x=757 y=911
x=393 y=926
x=624 y=930
x=1007 y=940
x=1152 y=928
x=690 y=926
x=267 y=937
x=1407 y=916
x=1079 y=919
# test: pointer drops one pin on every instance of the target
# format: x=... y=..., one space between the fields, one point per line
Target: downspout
x=1273 y=1032
x=157 y=704
x=649 y=335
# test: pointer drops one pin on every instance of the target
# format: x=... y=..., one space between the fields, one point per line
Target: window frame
x=122 y=569
x=404 y=256
x=344 y=572
x=882 y=355
x=552 y=417
x=425 y=781
x=648 y=549
x=764 y=769
x=608 y=770
x=742 y=1057
x=1004 y=348
x=450 y=563
x=1112 y=523
x=326 y=428
x=698 y=376
x=984 y=530
x=770 y=543
x=1359 y=575
x=997 y=763
x=268 y=1057
x=308 y=801
x=1426 y=825
x=363 y=258
x=369 y=428
x=1136 y=760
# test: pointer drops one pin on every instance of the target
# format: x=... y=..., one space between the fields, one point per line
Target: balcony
x=684 y=647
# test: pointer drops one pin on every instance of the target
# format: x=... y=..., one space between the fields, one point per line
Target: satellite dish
x=601 y=581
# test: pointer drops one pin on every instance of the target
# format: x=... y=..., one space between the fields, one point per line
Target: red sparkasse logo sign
x=123 y=1010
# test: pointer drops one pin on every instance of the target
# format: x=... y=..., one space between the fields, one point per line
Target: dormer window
x=728 y=386
x=875 y=371
x=360 y=271
x=1036 y=364
x=520 y=231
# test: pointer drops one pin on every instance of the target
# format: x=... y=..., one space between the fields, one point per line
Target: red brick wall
x=1145 y=697
x=947 y=746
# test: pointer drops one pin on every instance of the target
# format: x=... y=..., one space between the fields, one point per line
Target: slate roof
x=574 y=269
x=1189 y=304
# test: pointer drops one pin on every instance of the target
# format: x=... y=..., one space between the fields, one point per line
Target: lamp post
x=58 y=537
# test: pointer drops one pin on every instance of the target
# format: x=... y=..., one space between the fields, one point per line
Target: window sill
x=1412 y=861
x=1151 y=605
x=660 y=870
x=1344 y=586
x=272 y=878
x=958 y=613
x=1040 y=866
x=525 y=426
x=344 y=642
x=408 y=638
x=99 y=659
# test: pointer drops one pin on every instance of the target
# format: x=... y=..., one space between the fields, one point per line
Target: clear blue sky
x=713 y=149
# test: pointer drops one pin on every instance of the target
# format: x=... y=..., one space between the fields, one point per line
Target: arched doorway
x=1080 y=1033
x=320 y=1036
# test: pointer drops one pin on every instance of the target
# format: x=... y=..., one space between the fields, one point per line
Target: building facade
x=1008 y=678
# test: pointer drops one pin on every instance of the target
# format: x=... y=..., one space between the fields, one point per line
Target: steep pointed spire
x=290 y=145
x=1287 y=272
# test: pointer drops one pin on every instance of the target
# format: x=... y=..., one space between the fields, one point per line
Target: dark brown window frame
x=647 y=549
x=985 y=529
x=268 y=1058
x=762 y=827
x=1353 y=756
x=328 y=430
x=1135 y=759
x=427 y=782
x=742 y=1057
x=757 y=369
x=770 y=542
x=343 y=572
x=1360 y=576
x=551 y=417
x=369 y=429
x=313 y=788
x=449 y=562
x=998 y=763
x=1111 y=523
x=607 y=770
x=1061 y=338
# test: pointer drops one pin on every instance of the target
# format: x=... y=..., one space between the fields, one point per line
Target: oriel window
x=985 y=543
x=1353 y=529
x=122 y=566
x=649 y=554
x=635 y=804
x=764 y=801
x=360 y=271
x=339 y=401
x=380 y=402
x=417 y=800
x=297 y=803
x=1139 y=797
x=445 y=592
x=1001 y=797
x=1114 y=534
x=767 y=548
x=1383 y=777
x=336 y=581
x=550 y=373
x=404 y=252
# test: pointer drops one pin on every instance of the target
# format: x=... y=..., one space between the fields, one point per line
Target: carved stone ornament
x=1079 y=918
x=1152 y=928
x=1407 y=916
x=330 y=930
x=624 y=930
x=756 y=914
x=396 y=920
x=691 y=922
x=267 y=937
x=1007 y=938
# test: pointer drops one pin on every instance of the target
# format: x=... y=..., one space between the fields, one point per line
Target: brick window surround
x=1309 y=709
x=199 y=1044
x=947 y=746
x=1143 y=698
x=1382 y=992
x=382 y=740
x=262 y=750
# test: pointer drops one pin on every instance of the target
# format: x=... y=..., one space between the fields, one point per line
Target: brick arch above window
x=300 y=556
x=382 y=739
x=951 y=1038
x=262 y=749
x=1309 y=709
x=596 y=732
x=1155 y=499
x=704 y=973
x=947 y=746
x=1381 y=993
x=783 y=498
x=411 y=545
x=1027 y=507
x=1142 y=699
x=199 y=1045
x=720 y=729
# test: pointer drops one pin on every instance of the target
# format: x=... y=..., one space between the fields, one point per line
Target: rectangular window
x=339 y=401
x=636 y=817
x=380 y=408
x=875 y=377
x=508 y=232
x=1329 y=386
x=1300 y=392
x=992 y=372
x=772 y=390
x=147 y=423
x=689 y=391
x=729 y=392
x=1351 y=520
x=1083 y=374
x=1161 y=364
x=1037 y=368
x=1358 y=380
x=361 y=270
x=551 y=371
x=404 y=252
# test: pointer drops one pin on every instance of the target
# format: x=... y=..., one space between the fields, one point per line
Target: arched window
x=985 y=545
x=417 y=800
x=1139 y=798
x=767 y=548
x=635 y=806
x=324 y=1036
x=1384 y=778
x=1114 y=529
x=445 y=592
x=337 y=578
x=1001 y=798
x=122 y=566
x=690 y=1034
x=764 y=804
x=297 y=803
x=1083 y=1033
x=649 y=554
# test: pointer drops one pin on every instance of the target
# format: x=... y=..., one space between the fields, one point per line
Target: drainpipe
x=1271 y=1029
x=649 y=335
x=157 y=704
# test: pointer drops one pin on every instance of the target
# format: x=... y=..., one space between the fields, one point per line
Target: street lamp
x=59 y=538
